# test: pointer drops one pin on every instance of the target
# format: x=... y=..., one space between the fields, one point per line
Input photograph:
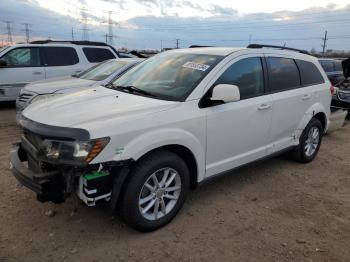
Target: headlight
x=43 y=97
x=343 y=95
x=72 y=152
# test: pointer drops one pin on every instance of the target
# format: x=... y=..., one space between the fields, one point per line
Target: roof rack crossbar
x=70 y=42
x=279 y=47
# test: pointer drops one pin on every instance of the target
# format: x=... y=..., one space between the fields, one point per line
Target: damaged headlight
x=72 y=152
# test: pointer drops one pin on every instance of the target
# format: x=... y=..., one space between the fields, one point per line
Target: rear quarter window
x=97 y=55
x=283 y=74
x=310 y=75
x=60 y=56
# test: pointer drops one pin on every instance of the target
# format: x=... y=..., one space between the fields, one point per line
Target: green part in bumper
x=95 y=175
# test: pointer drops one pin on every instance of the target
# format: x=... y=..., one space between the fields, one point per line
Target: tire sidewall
x=313 y=123
x=139 y=176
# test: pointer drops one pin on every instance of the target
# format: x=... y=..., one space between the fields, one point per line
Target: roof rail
x=199 y=46
x=70 y=42
x=87 y=43
x=278 y=47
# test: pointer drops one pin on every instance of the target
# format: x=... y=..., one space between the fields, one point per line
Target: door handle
x=37 y=73
x=264 y=106
x=306 y=97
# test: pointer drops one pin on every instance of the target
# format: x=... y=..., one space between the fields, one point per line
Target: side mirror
x=226 y=93
x=3 y=63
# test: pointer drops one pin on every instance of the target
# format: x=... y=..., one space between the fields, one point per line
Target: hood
x=346 y=67
x=57 y=84
x=93 y=105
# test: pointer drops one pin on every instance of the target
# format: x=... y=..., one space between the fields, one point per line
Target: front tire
x=155 y=191
x=309 y=142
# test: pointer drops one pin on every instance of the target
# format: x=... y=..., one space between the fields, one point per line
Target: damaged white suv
x=170 y=123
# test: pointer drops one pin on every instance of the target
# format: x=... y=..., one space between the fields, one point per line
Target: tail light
x=332 y=90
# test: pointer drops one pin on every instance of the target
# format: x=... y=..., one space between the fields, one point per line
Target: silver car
x=99 y=75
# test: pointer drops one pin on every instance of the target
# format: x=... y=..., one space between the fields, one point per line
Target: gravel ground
x=277 y=210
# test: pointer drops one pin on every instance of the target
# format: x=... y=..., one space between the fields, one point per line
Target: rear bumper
x=49 y=186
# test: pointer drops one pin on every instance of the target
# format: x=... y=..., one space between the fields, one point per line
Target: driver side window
x=247 y=74
x=22 y=57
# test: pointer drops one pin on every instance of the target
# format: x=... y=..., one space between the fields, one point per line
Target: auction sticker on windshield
x=196 y=66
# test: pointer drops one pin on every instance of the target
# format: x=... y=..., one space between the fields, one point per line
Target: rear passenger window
x=60 y=56
x=310 y=75
x=247 y=74
x=284 y=74
x=96 y=55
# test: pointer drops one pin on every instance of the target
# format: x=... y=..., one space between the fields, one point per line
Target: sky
x=152 y=24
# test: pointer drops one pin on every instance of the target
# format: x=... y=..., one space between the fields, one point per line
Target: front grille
x=25 y=97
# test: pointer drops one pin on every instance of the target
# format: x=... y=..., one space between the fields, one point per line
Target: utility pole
x=27 y=31
x=9 y=31
x=106 y=38
x=177 y=43
x=72 y=34
x=85 y=35
x=324 y=43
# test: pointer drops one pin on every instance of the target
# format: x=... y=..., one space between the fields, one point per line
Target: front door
x=238 y=132
x=23 y=67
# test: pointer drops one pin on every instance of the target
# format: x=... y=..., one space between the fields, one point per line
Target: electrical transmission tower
x=110 y=22
x=9 y=31
x=85 y=35
x=27 y=31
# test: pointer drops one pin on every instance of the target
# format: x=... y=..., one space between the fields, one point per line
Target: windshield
x=170 y=76
x=102 y=70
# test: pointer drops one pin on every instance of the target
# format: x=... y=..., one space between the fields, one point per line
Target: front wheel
x=310 y=142
x=156 y=191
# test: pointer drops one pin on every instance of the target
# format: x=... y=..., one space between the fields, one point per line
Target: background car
x=333 y=69
x=99 y=75
x=21 y=64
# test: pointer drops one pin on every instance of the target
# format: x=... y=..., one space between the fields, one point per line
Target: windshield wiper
x=133 y=89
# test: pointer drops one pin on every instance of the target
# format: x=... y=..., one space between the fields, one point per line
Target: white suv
x=25 y=63
x=170 y=123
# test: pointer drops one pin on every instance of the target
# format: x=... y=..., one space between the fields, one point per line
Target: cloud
x=206 y=24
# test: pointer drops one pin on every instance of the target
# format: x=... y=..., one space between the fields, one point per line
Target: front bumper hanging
x=49 y=186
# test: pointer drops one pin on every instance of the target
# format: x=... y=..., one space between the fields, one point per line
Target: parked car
x=21 y=64
x=334 y=70
x=341 y=97
x=168 y=124
x=99 y=75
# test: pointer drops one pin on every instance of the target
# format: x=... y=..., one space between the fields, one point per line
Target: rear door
x=61 y=61
x=291 y=99
x=23 y=66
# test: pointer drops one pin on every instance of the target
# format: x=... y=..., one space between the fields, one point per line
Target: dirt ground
x=277 y=210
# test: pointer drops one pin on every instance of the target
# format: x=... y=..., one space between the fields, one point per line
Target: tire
x=136 y=191
x=301 y=153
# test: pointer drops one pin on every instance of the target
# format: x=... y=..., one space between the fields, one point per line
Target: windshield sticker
x=196 y=66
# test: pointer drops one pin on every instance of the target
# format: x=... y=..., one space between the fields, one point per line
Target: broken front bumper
x=49 y=186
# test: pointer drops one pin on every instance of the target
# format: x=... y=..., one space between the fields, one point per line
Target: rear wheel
x=156 y=191
x=310 y=142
